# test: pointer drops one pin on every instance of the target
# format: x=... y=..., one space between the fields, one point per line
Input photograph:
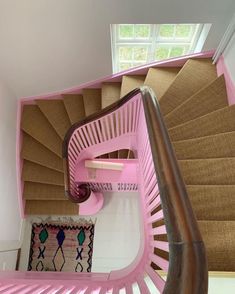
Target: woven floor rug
x=59 y=246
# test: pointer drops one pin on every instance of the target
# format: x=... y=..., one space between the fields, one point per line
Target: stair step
x=219 y=171
x=113 y=154
x=219 y=121
x=129 y=83
x=219 y=238
x=213 y=202
x=55 y=112
x=110 y=93
x=74 y=106
x=38 y=191
x=209 y=99
x=35 y=124
x=106 y=155
x=123 y=153
x=34 y=151
x=50 y=207
x=194 y=75
x=215 y=146
x=33 y=172
x=159 y=79
x=92 y=100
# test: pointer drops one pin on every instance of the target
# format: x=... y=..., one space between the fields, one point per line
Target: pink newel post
x=92 y=205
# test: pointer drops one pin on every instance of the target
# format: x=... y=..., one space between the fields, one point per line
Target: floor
x=117 y=239
x=117 y=233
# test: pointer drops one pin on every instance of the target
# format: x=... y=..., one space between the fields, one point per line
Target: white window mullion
x=154 y=42
x=181 y=38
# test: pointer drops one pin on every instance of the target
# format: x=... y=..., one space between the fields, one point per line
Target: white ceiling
x=48 y=45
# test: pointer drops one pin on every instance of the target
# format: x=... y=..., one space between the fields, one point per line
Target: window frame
x=151 y=43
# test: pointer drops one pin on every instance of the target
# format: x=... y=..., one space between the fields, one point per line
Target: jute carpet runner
x=57 y=246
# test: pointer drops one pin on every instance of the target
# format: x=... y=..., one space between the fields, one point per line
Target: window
x=136 y=44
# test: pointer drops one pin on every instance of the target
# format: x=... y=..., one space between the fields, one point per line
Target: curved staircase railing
x=135 y=122
x=170 y=237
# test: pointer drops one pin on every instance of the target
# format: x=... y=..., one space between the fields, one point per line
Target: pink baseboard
x=230 y=86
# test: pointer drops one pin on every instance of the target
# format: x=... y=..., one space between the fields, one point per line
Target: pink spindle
x=112 y=124
x=97 y=125
x=94 y=133
x=107 y=124
x=159 y=261
x=80 y=136
x=117 y=122
x=142 y=285
x=77 y=139
x=161 y=230
x=152 y=194
x=154 y=276
x=90 y=132
x=115 y=290
x=6 y=288
x=83 y=137
x=103 y=129
x=30 y=289
x=160 y=245
x=156 y=217
x=122 y=120
x=156 y=202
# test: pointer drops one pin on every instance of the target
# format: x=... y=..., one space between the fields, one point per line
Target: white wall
x=117 y=232
x=229 y=58
x=50 y=45
x=224 y=284
x=9 y=211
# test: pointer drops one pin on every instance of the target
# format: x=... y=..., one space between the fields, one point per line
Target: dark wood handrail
x=187 y=258
x=111 y=108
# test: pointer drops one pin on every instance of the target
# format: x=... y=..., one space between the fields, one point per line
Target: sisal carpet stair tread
x=219 y=239
x=123 y=153
x=213 y=202
x=209 y=99
x=55 y=112
x=129 y=83
x=219 y=121
x=34 y=123
x=159 y=79
x=194 y=75
x=33 y=172
x=215 y=146
x=110 y=93
x=34 y=151
x=92 y=100
x=39 y=191
x=50 y=207
x=219 y=171
x=74 y=106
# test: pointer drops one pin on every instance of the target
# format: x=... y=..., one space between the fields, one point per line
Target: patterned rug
x=63 y=247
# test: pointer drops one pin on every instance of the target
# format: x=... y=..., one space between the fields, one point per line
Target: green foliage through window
x=137 y=44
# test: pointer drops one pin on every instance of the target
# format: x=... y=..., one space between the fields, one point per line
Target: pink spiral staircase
x=133 y=123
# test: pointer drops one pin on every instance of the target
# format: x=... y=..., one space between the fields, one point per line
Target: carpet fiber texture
x=59 y=246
